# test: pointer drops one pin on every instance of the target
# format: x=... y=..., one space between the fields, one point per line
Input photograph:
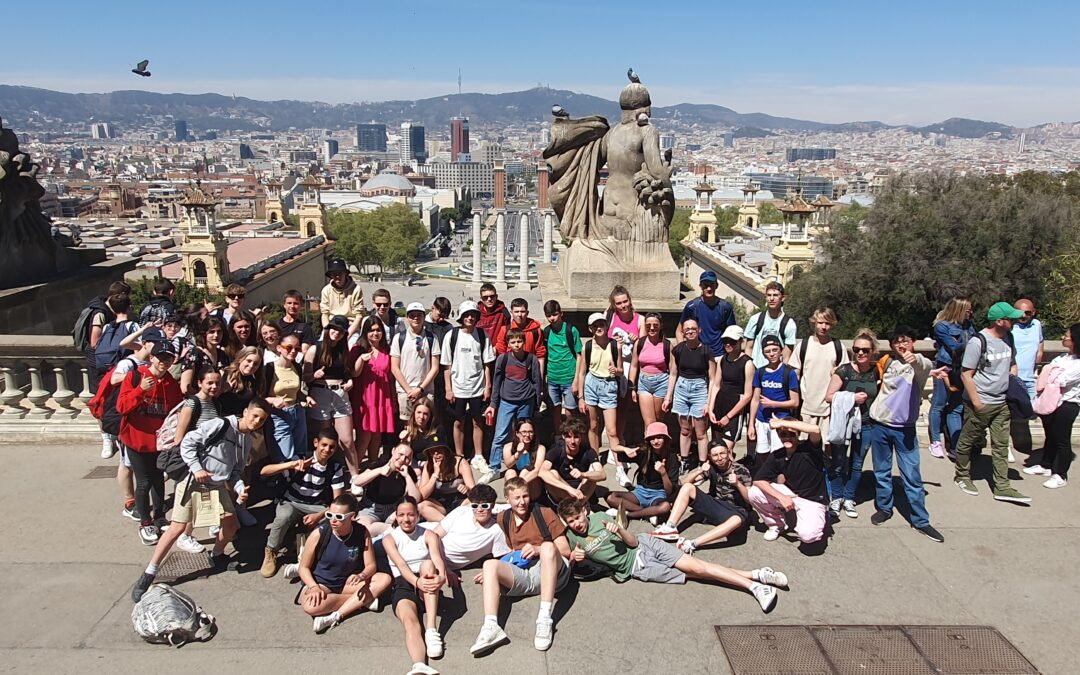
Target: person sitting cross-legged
x=657 y=477
x=644 y=557
x=729 y=483
x=789 y=490
x=338 y=568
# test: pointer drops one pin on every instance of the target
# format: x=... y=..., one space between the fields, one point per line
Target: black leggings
x=149 y=484
x=1058 y=454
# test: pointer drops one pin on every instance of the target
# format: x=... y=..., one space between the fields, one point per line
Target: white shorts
x=767 y=438
x=330 y=404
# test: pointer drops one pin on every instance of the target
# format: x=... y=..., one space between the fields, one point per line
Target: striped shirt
x=315 y=486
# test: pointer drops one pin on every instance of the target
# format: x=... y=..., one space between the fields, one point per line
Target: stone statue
x=28 y=252
x=626 y=228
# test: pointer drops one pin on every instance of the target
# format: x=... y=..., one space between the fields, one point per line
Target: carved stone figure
x=625 y=230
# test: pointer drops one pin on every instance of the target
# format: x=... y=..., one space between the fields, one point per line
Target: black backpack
x=481 y=337
x=174 y=466
x=613 y=347
x=568 y=333
x=836 y=346
x=667 y=349
x=428 y=335
x=504 y=523
x=784 y=320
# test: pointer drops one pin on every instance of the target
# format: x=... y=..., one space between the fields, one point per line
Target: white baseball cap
x=465 y=307
x=597 y=316
x=415 y=307
x=732 y=333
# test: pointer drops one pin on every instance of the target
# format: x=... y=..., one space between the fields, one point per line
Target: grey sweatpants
x=288 y=514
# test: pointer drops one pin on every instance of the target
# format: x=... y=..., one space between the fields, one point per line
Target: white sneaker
x=1012 y=457
x=108 y=447
x=544 y=631
x=765 y=595
x=374 y=606
x=621 y=478
x=653 y=520
x=772 y=534
x=486 y=475
x=834 y=506
x=491 y=636
x=434 y=643
x=1036 y=470
x=687 y=546
x=188 y=543
x=357 y=491
x=666 y=532
x=768 y=575
x=849 y=508
x=499 y=508
x=321 y=624
x=214 y=530
x=478 y=464
x=1055 y=482
x=291 y=570
x=422 y=669
x=149 y=534
x=614 y=513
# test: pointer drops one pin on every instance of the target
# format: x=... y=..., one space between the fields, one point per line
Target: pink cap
x=657 y=429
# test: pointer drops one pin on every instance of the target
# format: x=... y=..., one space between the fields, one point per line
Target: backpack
x=667 y=349
x=1049 y=397
x=504 y=523
x=568 y=333
x=428 y=335
x=613 y=347
x=784 y=320
x=103 y=404
x=480 y=336
x=108 y=351
x=166 y=434
x=836 y=346
x=80 y=333
x=172 y=463
x=164 y=615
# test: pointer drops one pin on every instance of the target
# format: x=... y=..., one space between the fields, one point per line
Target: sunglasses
x=420 y=345
x=488 y=297
x=382 y=304
x=289 y=348
x=237 y=296
x=338 y=517
x=485 y=506
x=861 y=350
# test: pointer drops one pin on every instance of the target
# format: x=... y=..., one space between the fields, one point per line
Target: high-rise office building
x=729 y=139
x=411 y=148
x=371 y=137
x=810 y=154
x=101 y=130
x=459 y=137
x=181 y=131
x=330 y=148
x=667 y=141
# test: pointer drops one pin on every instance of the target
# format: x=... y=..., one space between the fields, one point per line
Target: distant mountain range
x=28 y=108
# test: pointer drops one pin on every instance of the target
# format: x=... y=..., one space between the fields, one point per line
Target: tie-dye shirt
x=897 y=404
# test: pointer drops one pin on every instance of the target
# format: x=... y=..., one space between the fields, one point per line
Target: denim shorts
x=655 y=384
x=691 y=396
x=562 y=395
x=603 y=394
x=647 y=497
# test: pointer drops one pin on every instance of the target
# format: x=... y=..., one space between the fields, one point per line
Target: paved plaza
x=66 y=608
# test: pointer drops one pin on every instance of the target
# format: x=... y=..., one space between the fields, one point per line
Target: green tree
x=930 y=237
x=725 y=221
x=680 y=227
x=769 y=214
x=1062 y=305
x=387 y=237
x=186 y=295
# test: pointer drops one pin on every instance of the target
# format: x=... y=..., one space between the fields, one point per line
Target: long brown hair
x=414 y=432
x=233 y=377
x=329 y=350
x=446 y=470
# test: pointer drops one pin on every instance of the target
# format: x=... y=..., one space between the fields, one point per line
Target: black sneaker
x=879 y=517
x=931 y=533
x=219 y=562
x=141 y=586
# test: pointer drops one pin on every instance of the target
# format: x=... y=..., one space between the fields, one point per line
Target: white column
x=524 y=222
x=476 y=247
x=500 y=248
x=549 y=226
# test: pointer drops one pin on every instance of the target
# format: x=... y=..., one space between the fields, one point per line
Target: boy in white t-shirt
x=467 y=357
x=469 y=533
x=772 y=321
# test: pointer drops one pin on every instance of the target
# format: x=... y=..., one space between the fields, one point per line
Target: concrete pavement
x=68 y=561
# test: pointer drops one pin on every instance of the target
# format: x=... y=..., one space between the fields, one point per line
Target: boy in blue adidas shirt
x=776 y=394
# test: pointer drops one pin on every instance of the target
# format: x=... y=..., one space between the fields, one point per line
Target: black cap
x=163 y=350
x=336 y=265
x=339 y=322
x=771 y=340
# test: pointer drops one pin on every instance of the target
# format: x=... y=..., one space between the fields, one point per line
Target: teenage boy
x=814 y=360
x=467 y=356
x=575 y=468
x=894 y=412
x=493 y=312
x=313 y=483
x=600 y=369
x=520 y=319
x=342 y=296
x=713 y=314
x=235 y=294
x=160 y=305
x=469 y=533
x=988 y=362
x=516 y=394
x=772 y=321
x=414 y=360
x=541 y=567
x=292 y=324
x=385 y=312
x=789 y=490
x=563 y=344
x=143 y=344
x=729 y=484
x=646 y=558
x=216 y=453
x=776 y=394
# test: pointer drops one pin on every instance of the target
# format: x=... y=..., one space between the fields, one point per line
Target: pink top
x=631 y=327
x=651 y=357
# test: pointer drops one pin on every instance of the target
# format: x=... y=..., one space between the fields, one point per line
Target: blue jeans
x=950 y=406
x=504 y=422
x=847 y=464
x=290 y=432
x=901 y=441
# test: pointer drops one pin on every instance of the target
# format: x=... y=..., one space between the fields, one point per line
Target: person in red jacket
x=146 y=397
x=520 y=319
x=493 y=313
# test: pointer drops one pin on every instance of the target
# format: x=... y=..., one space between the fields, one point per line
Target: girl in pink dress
x=373 y=398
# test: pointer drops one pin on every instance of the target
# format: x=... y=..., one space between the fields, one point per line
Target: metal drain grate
x=101 y=472
x=181 y=564
x=870 y=650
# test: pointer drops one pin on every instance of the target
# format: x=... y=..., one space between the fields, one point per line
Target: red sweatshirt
x=143 y=412
x=491 y=321
x=533 y=334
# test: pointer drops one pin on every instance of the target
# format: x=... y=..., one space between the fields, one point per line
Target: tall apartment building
x=459 y=137
x=411 y=148
x=371 y=137
x=180 y=129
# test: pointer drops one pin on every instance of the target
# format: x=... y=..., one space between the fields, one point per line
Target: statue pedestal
x=651 y=276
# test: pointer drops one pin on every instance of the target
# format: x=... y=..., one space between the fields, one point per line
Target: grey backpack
x=165 y=615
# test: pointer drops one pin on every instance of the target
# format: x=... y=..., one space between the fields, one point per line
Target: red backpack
x=103 y=405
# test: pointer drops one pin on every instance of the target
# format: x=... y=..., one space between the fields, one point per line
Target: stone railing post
x=63 y=396
x=38 y=395
x=85 y=395
x=11 y=395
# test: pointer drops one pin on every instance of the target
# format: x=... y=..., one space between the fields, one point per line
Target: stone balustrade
x=45 y=388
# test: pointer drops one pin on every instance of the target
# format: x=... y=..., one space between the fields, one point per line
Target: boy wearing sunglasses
x=469 y=533
x=235 y=295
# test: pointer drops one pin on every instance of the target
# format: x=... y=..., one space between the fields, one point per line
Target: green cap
x=1003 y=310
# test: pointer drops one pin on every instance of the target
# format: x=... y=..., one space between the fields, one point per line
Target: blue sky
x=832 y=61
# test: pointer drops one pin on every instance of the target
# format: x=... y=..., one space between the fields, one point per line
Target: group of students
x=342 y=428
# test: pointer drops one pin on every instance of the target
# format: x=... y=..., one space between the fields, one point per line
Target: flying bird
x=633 y=76
x=140 y=68
x=560 y=112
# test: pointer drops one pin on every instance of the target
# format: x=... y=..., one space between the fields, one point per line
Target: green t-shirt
x=561 y=364
x=604 y=547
